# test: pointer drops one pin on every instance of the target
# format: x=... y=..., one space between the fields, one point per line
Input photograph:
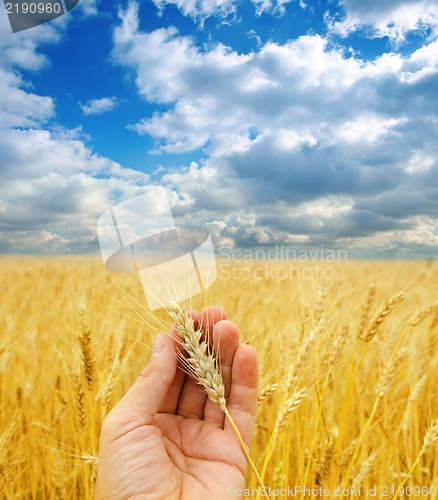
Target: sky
x=270 y=122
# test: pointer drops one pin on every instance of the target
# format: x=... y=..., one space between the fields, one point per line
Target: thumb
x=148 y=391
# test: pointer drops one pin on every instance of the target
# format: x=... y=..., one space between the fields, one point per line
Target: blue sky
x=273 y=122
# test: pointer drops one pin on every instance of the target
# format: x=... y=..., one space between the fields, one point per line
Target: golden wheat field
x=349 y=373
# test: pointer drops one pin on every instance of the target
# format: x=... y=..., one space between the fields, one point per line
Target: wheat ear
x=202 y=364
x=381 y=315
x=430 y=439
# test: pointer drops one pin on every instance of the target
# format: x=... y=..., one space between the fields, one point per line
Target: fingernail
x=159 y=344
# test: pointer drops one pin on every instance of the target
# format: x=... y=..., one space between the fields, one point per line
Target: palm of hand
x=175 y=457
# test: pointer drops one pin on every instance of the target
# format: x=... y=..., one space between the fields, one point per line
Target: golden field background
x=349 y=371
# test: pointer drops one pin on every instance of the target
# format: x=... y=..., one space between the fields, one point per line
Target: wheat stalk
x=325 y=465
x=293 y=396
x=288 y=408
x=373 y=328
x=422 y=315
x=387 y=377
x=84 y=340
x=430 y=439
x=109 y=385
x=346 y=455
x=203 y=365
x=416 y=391
x=320 y=305
x=366 y=311
x=80 y=403
x=382 y=389
x=267 y=391
x=295 y=370
x=364 y=471
x=108 y=388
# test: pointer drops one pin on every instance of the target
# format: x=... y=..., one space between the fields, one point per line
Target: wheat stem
x=245 y=451
x=429 y=441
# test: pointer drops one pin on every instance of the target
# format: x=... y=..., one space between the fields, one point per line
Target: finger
x=146 y=395
x=193 y=397
x=192 y=400
x=225 y=344
x=242 y=404
x=170 y=402
x=209 y=317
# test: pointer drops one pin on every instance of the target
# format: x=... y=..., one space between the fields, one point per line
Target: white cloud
x=392 y=18
x=52 y=186
x=289 y=140
x=89 y=7
x=420 y=241
x=201 y=9
x=300 y=87
x=99 y=106
x=210 y=186
x=36 y=241
x=21 y=108
x=367 y=129
x=423 y=62
x=21 y=49
x=265 y=90
x=270 y=6
x=420 y=162
x=303 y=124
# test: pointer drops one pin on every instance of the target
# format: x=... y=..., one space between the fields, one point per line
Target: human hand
x=166 y=440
